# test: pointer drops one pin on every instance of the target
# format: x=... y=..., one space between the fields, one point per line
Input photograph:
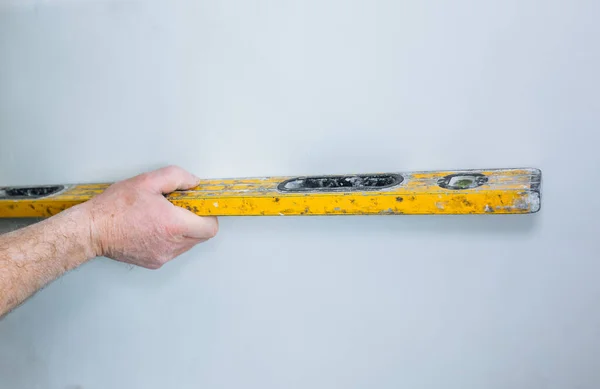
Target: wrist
x=82 y=218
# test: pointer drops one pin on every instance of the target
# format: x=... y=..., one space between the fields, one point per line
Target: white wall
x=100 y=90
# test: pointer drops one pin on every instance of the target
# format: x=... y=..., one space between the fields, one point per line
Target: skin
x=130 y=222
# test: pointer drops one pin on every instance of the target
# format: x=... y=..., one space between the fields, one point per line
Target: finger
x=169 y=179
x=197 y=227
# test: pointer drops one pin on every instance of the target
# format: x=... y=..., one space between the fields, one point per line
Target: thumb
x=169 y=179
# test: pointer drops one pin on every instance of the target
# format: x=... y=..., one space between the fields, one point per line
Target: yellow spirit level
x=497 y=191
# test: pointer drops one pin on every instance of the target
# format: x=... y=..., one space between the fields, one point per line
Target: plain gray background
x=101 y=90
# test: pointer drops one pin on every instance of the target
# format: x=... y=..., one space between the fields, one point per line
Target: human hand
x=133 y=222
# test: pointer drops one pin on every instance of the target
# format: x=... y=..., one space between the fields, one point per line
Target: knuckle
x=173 y=169
x=154 y=266
x=144 y=179
x=151 y=263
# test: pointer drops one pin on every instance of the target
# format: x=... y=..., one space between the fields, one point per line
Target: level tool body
x=496 y=191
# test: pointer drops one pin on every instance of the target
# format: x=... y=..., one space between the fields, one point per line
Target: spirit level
x=498 y=191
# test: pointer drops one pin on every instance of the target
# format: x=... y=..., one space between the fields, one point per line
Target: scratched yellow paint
x=507 y=191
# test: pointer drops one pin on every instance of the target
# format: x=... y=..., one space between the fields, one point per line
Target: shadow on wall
x=415 y=224
x=393 y=224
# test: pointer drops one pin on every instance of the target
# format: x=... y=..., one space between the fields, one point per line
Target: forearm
x=32 y=257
